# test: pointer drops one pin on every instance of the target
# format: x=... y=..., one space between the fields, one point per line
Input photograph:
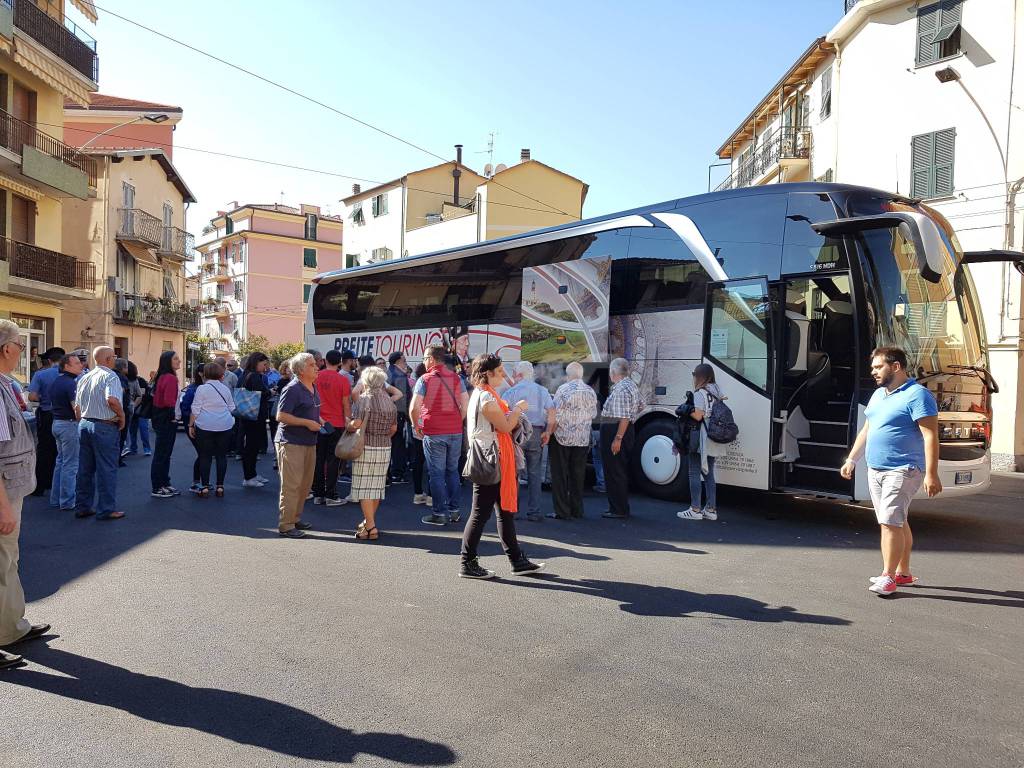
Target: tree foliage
x=255 y=343
x=282 y=352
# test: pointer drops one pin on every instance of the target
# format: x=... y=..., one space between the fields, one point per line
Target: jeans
x=325 y=474
x=254 y=439
x=62 y=491
x=534 y=472
x=166 y=430
x=212 y=445
x=140 y=426
x=442 y=456
x=485 y=499
x=97 y=466
x=695 y=478
x=595 y=453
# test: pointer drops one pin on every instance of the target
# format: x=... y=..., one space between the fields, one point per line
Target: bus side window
x=745 y=233
x=664 y=273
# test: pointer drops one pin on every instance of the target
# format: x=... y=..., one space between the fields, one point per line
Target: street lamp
x=156 y=118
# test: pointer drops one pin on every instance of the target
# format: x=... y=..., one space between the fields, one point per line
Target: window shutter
x=305 y=293
x=309 y=257
x=921 y=153
x=927 y=26
x=944 y=143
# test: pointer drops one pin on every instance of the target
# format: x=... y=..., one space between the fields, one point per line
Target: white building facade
x=925 y=99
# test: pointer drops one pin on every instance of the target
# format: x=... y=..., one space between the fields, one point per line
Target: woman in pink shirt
x=165 y=397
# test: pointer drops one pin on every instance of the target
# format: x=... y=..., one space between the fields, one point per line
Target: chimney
x=457 y=172
x=356 y=189
x=524 y=155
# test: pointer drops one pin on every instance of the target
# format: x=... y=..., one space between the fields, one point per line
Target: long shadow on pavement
x=234 y=716
x=1007 y=599
x=646 y=600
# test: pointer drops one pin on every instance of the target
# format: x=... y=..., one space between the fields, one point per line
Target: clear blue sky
x=632 y=98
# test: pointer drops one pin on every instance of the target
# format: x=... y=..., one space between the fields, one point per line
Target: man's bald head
x=104 y=356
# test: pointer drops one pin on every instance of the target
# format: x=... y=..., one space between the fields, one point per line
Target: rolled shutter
x=927 y=26
x=944 y=149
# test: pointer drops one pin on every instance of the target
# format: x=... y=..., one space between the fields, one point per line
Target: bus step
x=831 y=423
x=823 y=445
x=815 y=467
x=797 y=490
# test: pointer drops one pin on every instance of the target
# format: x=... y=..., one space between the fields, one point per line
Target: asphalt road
x=189 y=633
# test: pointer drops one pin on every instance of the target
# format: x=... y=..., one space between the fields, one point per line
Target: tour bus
x=783 y=289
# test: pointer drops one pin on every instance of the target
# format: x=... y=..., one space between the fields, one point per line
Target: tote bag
x=247 y=403
x=350 y=445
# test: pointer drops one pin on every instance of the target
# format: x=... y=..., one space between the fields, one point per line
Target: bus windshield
x=937 y=324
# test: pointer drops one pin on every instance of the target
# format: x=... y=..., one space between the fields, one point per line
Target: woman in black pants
x=254 y=433
x=210 y=423
x=165 y=397
x=490 y=422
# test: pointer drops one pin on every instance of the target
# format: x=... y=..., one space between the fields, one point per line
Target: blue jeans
x=442 y=455
x=595 y=453
x=695 y=479
x=534 y=472
x=62 y=489
x=98 y=454
x=138 y=427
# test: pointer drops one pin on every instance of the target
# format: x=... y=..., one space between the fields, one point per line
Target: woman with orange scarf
x=490 y=422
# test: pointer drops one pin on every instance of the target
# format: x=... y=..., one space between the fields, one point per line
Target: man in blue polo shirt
x=39 y=392
x=901 y=430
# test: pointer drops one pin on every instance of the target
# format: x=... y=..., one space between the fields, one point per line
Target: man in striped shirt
x=620 y=411
x=98 y=404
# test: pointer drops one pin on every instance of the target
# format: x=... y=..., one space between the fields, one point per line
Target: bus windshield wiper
x=983 y=373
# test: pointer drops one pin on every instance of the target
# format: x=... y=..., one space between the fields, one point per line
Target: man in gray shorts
x=901 y=432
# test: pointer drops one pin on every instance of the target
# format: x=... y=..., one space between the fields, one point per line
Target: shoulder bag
x=247 y=402
x=350 y=445
x=483 y=466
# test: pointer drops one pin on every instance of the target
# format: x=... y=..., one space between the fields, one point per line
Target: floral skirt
x=369 y=473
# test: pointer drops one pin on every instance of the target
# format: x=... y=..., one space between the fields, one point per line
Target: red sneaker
x=901 y=579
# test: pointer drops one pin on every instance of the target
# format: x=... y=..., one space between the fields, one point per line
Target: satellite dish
x=501 y=167
x=488 y=169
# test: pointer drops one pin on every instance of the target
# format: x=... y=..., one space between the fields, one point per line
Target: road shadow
x=237 y=717
x=669 y=602
x=1007 y=599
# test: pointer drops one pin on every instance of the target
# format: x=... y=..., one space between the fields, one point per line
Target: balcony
x=785 y=147
x=41 y=160
x=216 y=272
x=216 y=308
x=848 y=5
x=136 y=226
x=132 y=309
x=43 y=273
x=177 y=243
x=65 y=41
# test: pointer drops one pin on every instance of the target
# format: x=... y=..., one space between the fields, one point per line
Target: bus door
x=815 y=381
x=739 y=344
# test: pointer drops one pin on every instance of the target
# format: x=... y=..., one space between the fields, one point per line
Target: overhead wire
x=315 y=101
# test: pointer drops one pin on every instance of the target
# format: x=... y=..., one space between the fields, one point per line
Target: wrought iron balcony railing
x=16 y=134
x=34 y=263
x=138 y=226
x=133 y=309
x=782 y=144
x=66 y=41
x=177 y=242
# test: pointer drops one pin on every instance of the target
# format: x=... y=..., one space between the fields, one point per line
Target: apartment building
x=923 y=99
x=44 y=60
x=257 y=263
x=447 y=205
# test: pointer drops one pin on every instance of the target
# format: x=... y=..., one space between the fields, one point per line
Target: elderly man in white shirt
x=575 y=409
x=98 y=404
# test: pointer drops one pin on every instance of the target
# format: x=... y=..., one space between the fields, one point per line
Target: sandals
x=367 y=534
x=219 y=493
x=203 y=493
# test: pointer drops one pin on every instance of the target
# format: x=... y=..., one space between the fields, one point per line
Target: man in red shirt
x=335 y=394
x=438 y=408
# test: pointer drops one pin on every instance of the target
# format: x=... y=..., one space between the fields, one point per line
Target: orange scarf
x=506 y=462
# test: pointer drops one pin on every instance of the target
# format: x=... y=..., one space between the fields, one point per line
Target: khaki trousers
x=296 y=464
x=13 y=624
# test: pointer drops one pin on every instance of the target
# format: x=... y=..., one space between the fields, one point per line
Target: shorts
x=891 y=493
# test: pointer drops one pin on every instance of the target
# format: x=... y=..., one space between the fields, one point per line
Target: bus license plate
x=963 y=478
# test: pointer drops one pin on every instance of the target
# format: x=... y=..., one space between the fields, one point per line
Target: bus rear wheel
x=657 y=468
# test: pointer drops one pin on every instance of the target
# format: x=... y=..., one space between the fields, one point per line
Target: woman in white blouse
x=210 y=425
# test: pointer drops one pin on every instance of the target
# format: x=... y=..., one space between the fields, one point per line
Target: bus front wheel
x=657 y=468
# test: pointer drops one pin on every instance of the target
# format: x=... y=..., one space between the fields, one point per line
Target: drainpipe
x=835 y=111
x=401 y=224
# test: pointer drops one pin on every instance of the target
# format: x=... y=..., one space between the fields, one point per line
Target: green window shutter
x=944 y=142
x=229 y=225
x=306 y=289
x=309 y=257
x=927 y=25
x=922 y=150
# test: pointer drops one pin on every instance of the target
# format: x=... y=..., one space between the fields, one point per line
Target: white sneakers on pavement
x=689 y=514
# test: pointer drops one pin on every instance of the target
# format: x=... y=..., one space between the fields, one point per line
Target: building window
x=357 y=213
x=311 y=222
x=169 y=292
x=243 y=248
x=238 y=290
x=309 y=257
x=931 y=173
x=121 y=346
x=826 y=93
x=380 y=205
x=351 y=260
x=306 y=289
x=229 y=225
x=381 y=254
x=938 y=31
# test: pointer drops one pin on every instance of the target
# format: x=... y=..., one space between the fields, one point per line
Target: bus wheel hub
x=659 y=460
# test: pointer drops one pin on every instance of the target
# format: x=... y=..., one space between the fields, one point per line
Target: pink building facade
x=256 y=267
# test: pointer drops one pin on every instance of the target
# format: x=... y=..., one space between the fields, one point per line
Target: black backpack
x=718 y=421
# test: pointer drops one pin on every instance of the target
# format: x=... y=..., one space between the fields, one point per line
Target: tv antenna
x=490 y=148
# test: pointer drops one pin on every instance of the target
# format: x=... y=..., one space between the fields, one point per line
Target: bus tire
x=656 y=469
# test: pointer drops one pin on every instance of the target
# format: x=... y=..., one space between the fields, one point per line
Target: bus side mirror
x=929 y=244
x=1016 y=258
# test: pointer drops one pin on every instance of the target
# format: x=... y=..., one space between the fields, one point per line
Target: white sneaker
x=419 y=498
x=689 y=514
x=329 y=502
x=262 y=479
x=886 y=586
x=252 y=483
x=429 y=501
x=318 y=500
x=709 y=514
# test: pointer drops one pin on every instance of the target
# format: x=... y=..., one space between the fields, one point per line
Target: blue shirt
x=894 y=438
x=62 y=396
x=303 y=404
x=40 y=385
x=538 y=398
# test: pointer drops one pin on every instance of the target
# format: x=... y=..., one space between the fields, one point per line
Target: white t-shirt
x=480 y=429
